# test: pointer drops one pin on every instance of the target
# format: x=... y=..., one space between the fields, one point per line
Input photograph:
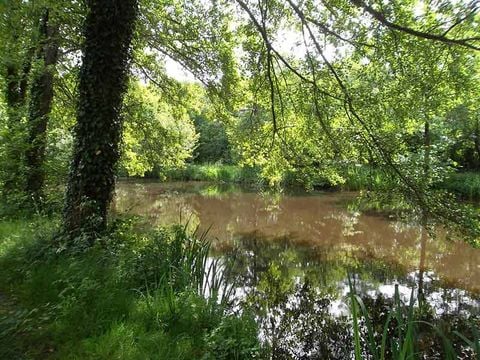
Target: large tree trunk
x=12 y=86
x=108 y=32
x=41 y=97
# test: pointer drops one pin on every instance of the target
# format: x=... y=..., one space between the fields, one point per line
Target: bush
x=466 y=185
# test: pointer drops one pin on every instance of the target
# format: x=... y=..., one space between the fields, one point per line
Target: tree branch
x=420 y=34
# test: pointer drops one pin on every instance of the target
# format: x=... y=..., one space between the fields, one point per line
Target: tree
x=17 y=40
x=32 y=32
x=370 y=84
x=157 y=135
x=109 y=29
x=392 y=39
x=41 y=96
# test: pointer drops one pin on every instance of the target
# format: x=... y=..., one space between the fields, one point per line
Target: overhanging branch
x=377 y=15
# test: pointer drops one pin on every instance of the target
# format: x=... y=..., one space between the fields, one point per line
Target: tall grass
x=363 y=178
x=356 y=178
x=466 y=184
x=398 y=337
x=175 y=260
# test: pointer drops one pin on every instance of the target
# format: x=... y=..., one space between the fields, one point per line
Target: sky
x=290 y=42
x=176 y=71
x=287 y=42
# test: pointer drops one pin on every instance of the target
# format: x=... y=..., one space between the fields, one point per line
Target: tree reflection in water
x=299 y=295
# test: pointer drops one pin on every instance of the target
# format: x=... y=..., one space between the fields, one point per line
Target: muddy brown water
x=318 y=220
x=314 y=237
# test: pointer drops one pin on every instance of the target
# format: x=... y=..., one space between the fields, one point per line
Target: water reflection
x=300 y=296
x=293 y=253
x=320 y=222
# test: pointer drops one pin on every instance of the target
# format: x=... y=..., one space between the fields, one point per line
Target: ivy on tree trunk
x=108 y=33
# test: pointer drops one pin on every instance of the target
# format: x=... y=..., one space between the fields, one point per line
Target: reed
x=398 y=338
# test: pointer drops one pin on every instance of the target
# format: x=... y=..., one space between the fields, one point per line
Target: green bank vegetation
x=132 y=296
x=403 y=322
x=466 y=185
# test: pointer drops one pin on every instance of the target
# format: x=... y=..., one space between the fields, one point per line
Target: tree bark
x=12 y=88
x=108 y=33
x=41 y=97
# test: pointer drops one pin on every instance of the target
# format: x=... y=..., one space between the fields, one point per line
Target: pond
x=294 y=253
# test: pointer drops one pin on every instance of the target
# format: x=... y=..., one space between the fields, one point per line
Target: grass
x=465 y=184
x=364 y=178
x=133 y=296
x=157 y=294
x=357 y=178
x=214 y=173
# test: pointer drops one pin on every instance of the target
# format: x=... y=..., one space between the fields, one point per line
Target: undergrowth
x=466 y=185
x=133 y=295
x=402 y=332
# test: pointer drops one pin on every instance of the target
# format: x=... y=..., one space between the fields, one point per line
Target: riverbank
x=466 y=184
x=133 y=296
x=213 y=173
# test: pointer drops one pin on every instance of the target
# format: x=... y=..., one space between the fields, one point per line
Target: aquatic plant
x=398 y=338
